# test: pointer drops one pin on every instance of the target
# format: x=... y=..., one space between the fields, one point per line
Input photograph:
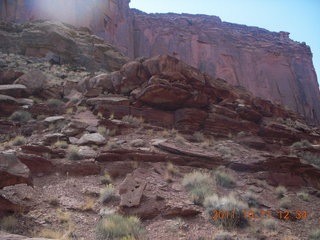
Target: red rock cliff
x=268 y=64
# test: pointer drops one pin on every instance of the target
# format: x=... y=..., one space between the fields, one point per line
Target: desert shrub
x=301 y=144
x=315 y=235
x=53 y=201
x=199 y=137
x=223 y=236
x=9 y=224
x=223 y=178
x=18 y=141
x=230 y=204
x=198 y=185
x=138 y=143
x=179 y=139
x=303 y=195
x=285 y=202
x=262 y=183
x=61 y=144
x=170 y=172
x=133 y=120
x=103 y=131
x=115 y=226
x=88 y=205
x=269 y=224
x=311 y=158
x=73 y=153
x=55 y=103
x=281 y=191
x=81 y=109
x=175 y=225
x=106 y=179
x=107 y=194
x=21 y=116
x=252 y=199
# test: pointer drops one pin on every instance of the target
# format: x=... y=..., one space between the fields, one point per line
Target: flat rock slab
x=87 y=117
x=131 y=190
x=12 y=87
x=108 y=100
x=8 y=236
x=187 y=150
x=14 y=90
x=54 y=119
x=12 y=171
x=93 y=138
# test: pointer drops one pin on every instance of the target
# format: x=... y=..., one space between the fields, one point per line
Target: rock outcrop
x=268 y=64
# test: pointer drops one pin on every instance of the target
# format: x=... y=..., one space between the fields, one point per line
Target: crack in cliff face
x=200 y=41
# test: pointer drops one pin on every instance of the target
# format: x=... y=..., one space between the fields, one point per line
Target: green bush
x=224 y=179
x=21 y=116
x=61 y=144
x=234 y=206
x=116 y=227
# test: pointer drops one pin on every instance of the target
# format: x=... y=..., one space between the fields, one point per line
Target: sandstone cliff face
x=268 y=64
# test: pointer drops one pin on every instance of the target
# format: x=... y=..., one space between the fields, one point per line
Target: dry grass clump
x=61 y=144
x=88 y=205
x=281 y=191
x=310 y=158
x=285 y=202
x=199 y=186
x=55 y=103
x=303 y=196
x=301 y=144
x=229 y=203
x=48 y=233
x=138 y=143
x=116 y=227
x=269 y=224
x=198 y=137
x=252 y=199
x=18 y=141
x=170 y=172
x=108 y=194
x=53 y=201
x=315 y=234
x=20 y=116
x=9 y=224
x=223 y=178
x=73 y=153
x=133 y=120
x=106 y=179
x=223 y=236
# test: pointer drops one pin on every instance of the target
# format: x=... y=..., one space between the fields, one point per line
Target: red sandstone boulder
x=34 y=81
x=8 y=105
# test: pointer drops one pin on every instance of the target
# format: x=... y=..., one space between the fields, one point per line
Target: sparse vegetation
x=88 y=205
x=252 y=199
x=18 y=141
x=281 y=191
x=61 y=144
x=223 y=236
x=199 y=137
x=106 y=179
x=262 y=183
x=311 y=158
x=81 y=109
x=53 y=201
x=285 y=202
x=138 y=143
x=9 y=224
x=198 y=185
x=48 y=233
x=55 y=103
x=133 y=120
x=115 y=226
x=21 y=116
x=107 y=194
x=170 y=172
x=301 y=144
x=73 y=153
x=303 y=195
x=179 y=139
x=269 y=224
x=175 y=225
x=230 y=204
x=315 y=235
x=223 y=178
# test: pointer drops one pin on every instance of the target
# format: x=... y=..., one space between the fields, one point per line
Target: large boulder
x=8 y=105
x=34 y=81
